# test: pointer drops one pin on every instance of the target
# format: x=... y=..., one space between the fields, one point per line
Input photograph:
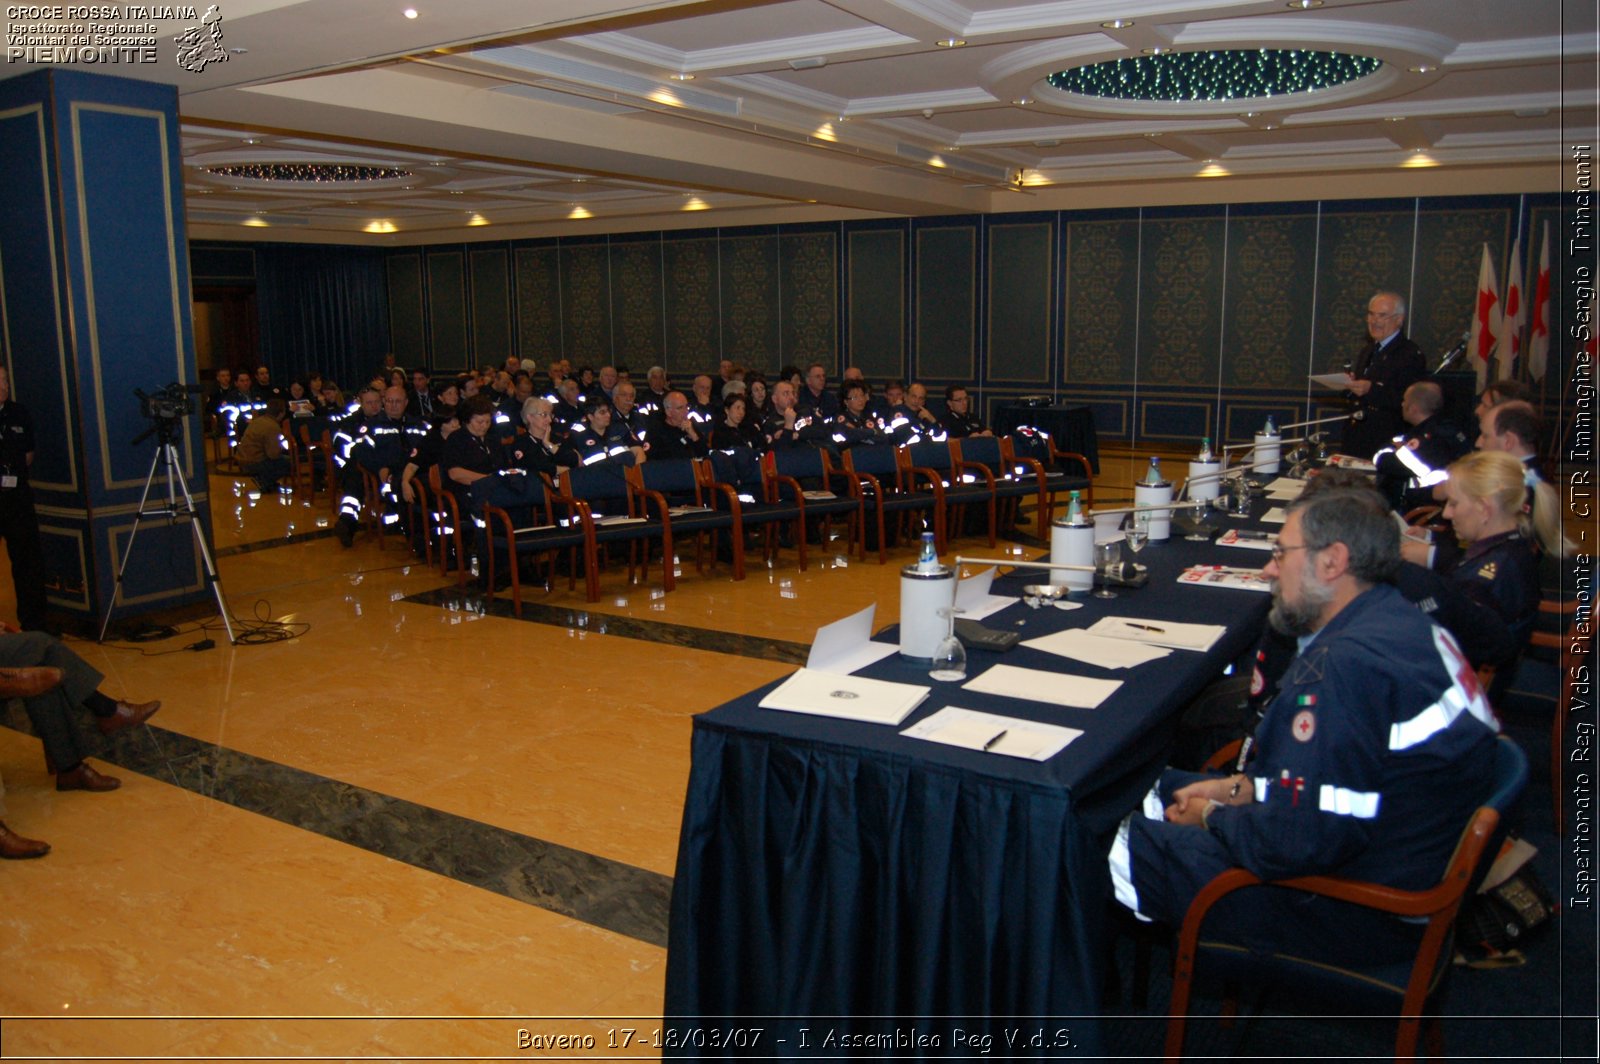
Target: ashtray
x=1036 y=595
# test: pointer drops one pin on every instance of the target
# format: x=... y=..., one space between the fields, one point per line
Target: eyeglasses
x=1279 y=550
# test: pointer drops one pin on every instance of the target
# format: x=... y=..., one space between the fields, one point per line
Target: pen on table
x=1145 y=627
x=990 y=744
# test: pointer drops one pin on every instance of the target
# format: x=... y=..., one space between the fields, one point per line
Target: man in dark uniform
x=350 y=432
x=19 y=524
x=625 y=412
x=265 y=389
x=855 y=426
x=1409 y=470
x=1379 y=377
x=815 y=399
x=959 y=421
x=1370 y=759
x=598 y=439
x=671 y=434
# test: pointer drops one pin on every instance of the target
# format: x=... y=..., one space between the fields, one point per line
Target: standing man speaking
x=19 y=524
x=1379 y=377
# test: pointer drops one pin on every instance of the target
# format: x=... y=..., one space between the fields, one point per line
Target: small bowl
x=1037 y=595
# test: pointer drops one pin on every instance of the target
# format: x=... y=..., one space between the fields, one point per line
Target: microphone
x=1455 y=352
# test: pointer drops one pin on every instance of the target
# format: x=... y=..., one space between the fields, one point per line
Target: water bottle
x=1269 y=429
x=1153 y=474
x=928 y=560
x=1205 y=450
x=1075 y=510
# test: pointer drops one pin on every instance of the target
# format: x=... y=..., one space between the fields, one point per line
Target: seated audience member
x=594 y=441
x=1512 y=427
x=53 y=682
x=538 y=450
x=892 y=402
x=795 y=376
x=262 y=452
x=959 y=421
x=1367 y=764
x=605 y=382
x=1409 y=470
x=265 y=389
x=626 y=411
x=855 y=426
x=654 y=395
x=1494 y=393
x=472 y=452
x=758 y=398
x=913 y=422
x=705 y=409
x=736 y=429
x=816 y=399
x=419 y=396
x=239 y=406
x=446 y=396
x=671 y=433
x=219 y=393
x=426 y=451
x=378 y=444
x=298 y=403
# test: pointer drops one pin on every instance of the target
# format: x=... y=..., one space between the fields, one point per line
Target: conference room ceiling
x=506 y=118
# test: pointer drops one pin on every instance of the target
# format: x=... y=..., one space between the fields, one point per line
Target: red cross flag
x=1486 y=324
x=1515 y=314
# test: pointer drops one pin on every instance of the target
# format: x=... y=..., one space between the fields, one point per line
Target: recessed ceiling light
x=1419 y=159
x=1395 y=118
x=251 y=140
x=1251 y=114
x=238 y=51
x=257 y=222
x=1303 y=5
x=1157 y=50
x=1021 y=101
x=410 y=12
x=950 y=42
x=1212 y=169
x=682 y=76
x=476 y=219
x=844 y=118
x=1422 y=69
x=457 y=192
x=1117 y=24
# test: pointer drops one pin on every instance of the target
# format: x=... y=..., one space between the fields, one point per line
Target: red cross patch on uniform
x=1304 y=726
x=1258 y=682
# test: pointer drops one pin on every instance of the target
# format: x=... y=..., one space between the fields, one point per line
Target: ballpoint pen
x=991 y=743
x=1144 y=627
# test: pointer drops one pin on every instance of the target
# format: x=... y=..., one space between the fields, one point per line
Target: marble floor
x=415 y=829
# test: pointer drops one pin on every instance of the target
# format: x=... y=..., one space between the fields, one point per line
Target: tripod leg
x=116 y=589
x=175 y=470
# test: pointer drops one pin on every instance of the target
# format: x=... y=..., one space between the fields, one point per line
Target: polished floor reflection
x=418 y=811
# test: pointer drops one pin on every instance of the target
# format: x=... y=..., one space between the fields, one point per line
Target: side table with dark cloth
x=1071 y=427
x=830 y=870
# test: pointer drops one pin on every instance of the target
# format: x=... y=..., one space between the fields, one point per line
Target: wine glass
x=1198 y=514
x=1138 y=534
x=949 y=657
x=1106 y=554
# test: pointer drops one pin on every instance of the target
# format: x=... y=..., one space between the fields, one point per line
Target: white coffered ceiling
x=565 y=116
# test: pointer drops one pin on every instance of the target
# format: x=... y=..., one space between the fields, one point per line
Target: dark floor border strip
x=607 y=894
x=268 y=544
x=681 y=635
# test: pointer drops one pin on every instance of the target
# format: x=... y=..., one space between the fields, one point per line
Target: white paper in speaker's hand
x=1159 y=633
x=846 y=645
x=1079 y=645
x=993 y=734
x=973 y=600
x=1337 y=381
x=1057 y=688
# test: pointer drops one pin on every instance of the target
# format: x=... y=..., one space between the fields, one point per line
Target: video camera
x=169 y=403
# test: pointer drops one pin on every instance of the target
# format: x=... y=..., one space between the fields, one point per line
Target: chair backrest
x=879 y=462
x=984 y=450
x=606 y=482
x=930 y=455
x=797 y=462
x=739 y=468
x=674 y=476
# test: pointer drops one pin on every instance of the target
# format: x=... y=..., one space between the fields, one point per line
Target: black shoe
x=345 y=529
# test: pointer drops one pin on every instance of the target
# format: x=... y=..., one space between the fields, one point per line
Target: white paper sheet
x=1079 y=645
x=827 y=694
x=1337 y=381
x=1057 y=688
x=973 y=599
x=1275 y=516
x=994 y=734
x=846 y=645
x=1159 y=633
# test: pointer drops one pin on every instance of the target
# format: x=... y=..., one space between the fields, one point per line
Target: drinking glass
x=1199 y=514
x=949 y=657
x=1138 y=534
x=1106 y=554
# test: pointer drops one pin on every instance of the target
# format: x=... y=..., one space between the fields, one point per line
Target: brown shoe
x=29 y=681
x=127 y=715
x=14 y=847
x=84 y=778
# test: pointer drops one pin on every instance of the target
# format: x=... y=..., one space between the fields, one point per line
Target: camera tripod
x=166 y=460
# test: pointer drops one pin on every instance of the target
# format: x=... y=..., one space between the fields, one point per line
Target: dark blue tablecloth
x=831 y=872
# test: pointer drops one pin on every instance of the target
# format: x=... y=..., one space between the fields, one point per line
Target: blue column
x=95 y=302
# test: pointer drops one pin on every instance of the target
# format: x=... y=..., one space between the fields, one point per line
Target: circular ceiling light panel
x=1214 y=76
x=310 y=173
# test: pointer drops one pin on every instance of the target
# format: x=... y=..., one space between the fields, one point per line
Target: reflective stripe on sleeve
x=1363 y=805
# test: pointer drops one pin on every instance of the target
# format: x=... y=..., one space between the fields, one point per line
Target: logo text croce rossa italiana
x=112 y=34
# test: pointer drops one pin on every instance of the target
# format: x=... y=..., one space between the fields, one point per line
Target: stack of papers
x=1253 y=540
x=1159 y=633
x=1079 y=645
x=1222 y=576
x=1275 y=516
x=846 y=646
x=990 y=733
x=1285 y=489
x=1057 y=688
x=828 y=694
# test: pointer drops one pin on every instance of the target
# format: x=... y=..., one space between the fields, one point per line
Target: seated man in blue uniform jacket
x=1367 y=765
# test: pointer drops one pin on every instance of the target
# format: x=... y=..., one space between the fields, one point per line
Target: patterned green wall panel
x=1019 y=303
x=876 y=290
x=1357 y=255
x=636 y=300
x=405 y=309
x=491 y=310
x=586 y=303
x=1449 y=252
x=1180 y=301
x=692 y=305
x=538 y=304
x=1102 y=301
x=946 y=273
x=750 y=304
x=1267 y=311
x=809 y=298
x=447 y=304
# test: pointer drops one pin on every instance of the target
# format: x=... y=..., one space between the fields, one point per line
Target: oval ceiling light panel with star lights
x=1215 y=75
x=309 y=173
